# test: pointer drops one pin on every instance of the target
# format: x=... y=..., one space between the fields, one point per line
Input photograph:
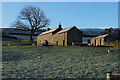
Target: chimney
x=59 y=25
x=47 y=29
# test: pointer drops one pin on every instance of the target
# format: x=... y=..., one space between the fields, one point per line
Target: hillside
x=23 y=34
x=91 y=31
x=18 y=33
x=88 y=31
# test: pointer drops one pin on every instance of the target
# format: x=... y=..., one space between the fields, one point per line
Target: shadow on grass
x=10 y=56
x=55 y=78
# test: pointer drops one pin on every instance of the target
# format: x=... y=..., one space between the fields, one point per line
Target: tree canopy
x=31 y=18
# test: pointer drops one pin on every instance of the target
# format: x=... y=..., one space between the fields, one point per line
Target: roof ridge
x=45 y=32
x=51 y=29
x=68 y=27
x=101 y=36
x=65 y=29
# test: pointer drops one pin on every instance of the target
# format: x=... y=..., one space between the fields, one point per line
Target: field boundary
x=5 y=35
x=115 y=44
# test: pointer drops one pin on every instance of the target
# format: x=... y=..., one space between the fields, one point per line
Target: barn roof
x=52 y=30
x=101 y=36
x=61 y=31
x=65 y=30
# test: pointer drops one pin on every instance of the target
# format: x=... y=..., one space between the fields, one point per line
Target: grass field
x=26 y=61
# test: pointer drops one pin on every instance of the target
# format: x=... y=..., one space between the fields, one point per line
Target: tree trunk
x=31 y=37
x=31 y=34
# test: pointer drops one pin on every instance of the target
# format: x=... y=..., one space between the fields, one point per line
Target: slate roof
x=61 y=31
x=101 y=36
x=65 y=30
x=52 y=30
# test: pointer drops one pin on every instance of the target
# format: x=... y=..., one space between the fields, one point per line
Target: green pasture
x=21 y=60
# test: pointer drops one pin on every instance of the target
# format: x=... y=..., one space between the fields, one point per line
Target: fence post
x=109 y=74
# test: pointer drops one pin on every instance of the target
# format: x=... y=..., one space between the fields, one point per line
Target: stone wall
x=61 y=39
x=103 y=41
x=42 y=38
x=74 y=36
x=116 y=44
x=97 y=41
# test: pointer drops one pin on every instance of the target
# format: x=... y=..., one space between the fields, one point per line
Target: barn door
x=56 y=42
x=63 y=42
x=95 y=43
x=40 y=42
x=100 y=42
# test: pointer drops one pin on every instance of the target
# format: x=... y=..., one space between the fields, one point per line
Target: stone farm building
x=101 y=40
x=59 y=36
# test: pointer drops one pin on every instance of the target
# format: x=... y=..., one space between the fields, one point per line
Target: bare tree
x=31 y=18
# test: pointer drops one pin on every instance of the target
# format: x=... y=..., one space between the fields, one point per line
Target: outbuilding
x=101 y=40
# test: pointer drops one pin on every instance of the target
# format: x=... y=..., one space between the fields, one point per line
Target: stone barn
x=101 y=40
x=59 y=36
